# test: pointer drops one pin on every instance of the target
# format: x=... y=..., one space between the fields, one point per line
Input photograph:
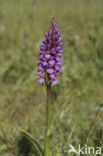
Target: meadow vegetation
x=77 y=99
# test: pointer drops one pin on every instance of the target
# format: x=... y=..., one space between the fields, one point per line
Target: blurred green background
x=77 y=99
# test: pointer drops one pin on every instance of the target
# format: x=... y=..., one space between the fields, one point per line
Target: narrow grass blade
x=33 y=142
x=58 y=154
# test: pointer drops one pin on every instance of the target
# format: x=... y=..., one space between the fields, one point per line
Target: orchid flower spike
x=50 y=60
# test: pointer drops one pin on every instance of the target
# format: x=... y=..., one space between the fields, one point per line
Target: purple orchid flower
x=50 y=55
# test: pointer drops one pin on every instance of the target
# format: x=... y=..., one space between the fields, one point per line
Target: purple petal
x=40 y=52
x=53 y=51
x=58 y=67
x=48 y=52
x=38 y=60
x=52 y=76
x=45 y=64
x=42 y=80
x=40 y=67
x=41 y=56
x=58 y=73
x=58 y=63
x=60 y=39
x=58 y=48
x=57 y=36
x=47 y=56
x=61 y=43
x=54 y=82
x=50 y=71
x=52 y=57
x=49 y=45
x=51 y=62
x=59 y=54
x=40 y=73
x=44 y=40
x=42 y=47
x=61 y=50
x=59 y=59
x=46 y=34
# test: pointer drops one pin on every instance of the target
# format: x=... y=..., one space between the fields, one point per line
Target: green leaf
x=58 y=154
x=3 y=148
x=33 y=142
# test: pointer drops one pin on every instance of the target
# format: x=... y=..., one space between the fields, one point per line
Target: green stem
x=48 y=120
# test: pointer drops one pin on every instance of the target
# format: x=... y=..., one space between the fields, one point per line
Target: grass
x=78 y=95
